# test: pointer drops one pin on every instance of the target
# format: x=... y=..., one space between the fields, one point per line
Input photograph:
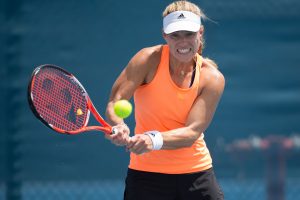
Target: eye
x=174 y=36
x=190 y=34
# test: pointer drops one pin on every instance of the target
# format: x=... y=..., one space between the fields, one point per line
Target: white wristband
x=157 y=139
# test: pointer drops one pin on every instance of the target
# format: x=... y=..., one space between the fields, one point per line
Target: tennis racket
x=59 y=100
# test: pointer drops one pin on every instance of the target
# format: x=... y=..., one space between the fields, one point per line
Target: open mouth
x=184 y=50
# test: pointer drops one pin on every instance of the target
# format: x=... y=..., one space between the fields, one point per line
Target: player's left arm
x=198 y=120
x=201 y=113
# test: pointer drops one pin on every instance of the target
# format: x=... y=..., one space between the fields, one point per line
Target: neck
x=182 y=68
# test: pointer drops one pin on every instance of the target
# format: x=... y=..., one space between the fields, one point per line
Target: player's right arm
x=140 y=70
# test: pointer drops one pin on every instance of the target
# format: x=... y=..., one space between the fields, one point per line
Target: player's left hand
x=139 y=144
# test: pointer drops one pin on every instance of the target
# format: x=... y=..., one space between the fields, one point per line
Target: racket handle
x=113 y=130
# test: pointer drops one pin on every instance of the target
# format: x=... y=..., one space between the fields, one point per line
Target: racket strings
x=59 y=100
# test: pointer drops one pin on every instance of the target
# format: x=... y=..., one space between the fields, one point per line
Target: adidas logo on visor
x=181 y=21
x=181 y=16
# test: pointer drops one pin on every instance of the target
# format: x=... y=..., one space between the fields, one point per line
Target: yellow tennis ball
x=122 y=108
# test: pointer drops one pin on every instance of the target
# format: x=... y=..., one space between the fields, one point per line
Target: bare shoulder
x=211 y=77
x=153 y=51
x=147 y=55
x=145 y=62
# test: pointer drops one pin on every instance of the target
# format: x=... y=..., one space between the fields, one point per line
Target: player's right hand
x=120 y=135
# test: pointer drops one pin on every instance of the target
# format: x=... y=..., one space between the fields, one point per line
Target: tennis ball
x=122 y=108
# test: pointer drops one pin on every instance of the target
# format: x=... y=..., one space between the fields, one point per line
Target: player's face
x=183 y=44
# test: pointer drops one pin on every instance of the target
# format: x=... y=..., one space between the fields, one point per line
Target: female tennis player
x=176 y=92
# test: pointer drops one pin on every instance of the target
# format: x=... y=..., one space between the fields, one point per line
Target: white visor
x=181 y=21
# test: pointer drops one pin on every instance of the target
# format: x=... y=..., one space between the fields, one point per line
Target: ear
x=201 y=30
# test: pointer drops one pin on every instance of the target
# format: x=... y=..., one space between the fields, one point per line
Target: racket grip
x=113 y=130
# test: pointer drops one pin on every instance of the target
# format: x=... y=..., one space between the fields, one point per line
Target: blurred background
x=254 y=138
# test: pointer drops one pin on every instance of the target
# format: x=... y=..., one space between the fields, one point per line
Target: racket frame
x=106 y=128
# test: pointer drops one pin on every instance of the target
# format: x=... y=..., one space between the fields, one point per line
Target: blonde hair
x=211 y=62
x=184 y=6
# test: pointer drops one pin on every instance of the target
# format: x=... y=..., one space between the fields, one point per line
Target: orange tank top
x=161 y=105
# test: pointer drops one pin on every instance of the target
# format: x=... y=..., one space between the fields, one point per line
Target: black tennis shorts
x=156 y=186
